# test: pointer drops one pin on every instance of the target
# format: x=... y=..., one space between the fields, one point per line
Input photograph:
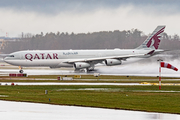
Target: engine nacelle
x=111 y=62
x=80 y=65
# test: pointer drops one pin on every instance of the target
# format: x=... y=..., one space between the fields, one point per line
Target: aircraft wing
x=122 y=57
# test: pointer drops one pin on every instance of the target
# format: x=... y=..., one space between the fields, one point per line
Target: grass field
x=144 y=98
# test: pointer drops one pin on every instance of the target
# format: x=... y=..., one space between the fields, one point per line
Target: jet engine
x=111 y=62
x=80 y=65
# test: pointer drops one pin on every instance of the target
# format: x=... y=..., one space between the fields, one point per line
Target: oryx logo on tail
x=153 y=40
x=156 y=39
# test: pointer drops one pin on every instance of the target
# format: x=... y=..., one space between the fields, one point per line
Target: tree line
x=96 y=40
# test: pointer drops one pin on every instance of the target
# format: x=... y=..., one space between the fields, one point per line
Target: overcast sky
x=83 y=16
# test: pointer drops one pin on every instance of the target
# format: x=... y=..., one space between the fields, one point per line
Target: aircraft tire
x=20 y=71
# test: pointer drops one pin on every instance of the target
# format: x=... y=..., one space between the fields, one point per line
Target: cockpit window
x=11 y=56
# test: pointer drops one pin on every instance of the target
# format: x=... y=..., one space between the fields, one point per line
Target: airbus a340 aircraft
x=84 y=59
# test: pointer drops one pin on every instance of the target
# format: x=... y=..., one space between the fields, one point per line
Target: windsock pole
x=166 y=65
x=159 y=60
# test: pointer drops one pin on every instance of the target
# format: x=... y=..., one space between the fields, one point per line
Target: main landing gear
x=20 y=69
x=85 y=70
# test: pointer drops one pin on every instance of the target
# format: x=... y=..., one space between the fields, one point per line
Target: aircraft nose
x=6 y=59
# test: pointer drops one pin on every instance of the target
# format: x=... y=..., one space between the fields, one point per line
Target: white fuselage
x=59 y=58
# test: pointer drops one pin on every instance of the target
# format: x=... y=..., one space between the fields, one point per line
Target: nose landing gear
x=20 y=69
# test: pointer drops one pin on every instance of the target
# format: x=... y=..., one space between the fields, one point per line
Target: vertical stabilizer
x=153 y=40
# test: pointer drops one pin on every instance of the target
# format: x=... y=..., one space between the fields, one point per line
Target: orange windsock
x=167 y=65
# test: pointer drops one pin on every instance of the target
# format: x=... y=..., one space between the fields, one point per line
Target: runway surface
x=50 y=83
x=35 y=111
x=103 y=70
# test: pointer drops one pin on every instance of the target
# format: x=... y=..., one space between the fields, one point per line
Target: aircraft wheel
x=20 y=71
